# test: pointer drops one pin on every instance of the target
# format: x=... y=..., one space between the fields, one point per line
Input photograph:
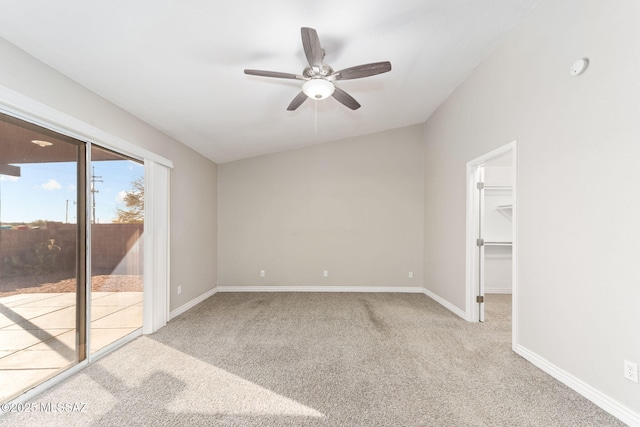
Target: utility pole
x=66 y=216
x=94 y=179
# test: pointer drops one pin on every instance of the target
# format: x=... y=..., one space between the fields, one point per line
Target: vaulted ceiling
x=178 y=65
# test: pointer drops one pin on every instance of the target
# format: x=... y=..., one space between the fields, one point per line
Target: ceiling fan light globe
x=318 y=88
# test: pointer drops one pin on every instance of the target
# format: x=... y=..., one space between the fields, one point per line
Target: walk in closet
x=498 y=212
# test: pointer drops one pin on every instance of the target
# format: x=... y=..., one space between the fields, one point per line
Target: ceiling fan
x=319 y=77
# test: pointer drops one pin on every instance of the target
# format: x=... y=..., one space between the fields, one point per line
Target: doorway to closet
x=491 y=235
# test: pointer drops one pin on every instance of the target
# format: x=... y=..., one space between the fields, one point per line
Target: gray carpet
x=318 y=359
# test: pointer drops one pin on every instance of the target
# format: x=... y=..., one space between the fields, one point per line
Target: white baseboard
x=605 y=402
x=446 y=304
x=497 y=291
x=178 y=311
x=412 y=290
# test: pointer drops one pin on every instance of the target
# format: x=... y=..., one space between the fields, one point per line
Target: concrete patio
x=37 y=333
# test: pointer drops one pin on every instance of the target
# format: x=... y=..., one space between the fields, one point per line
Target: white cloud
x=51 y=184
x=120 y=196
x=9 y=178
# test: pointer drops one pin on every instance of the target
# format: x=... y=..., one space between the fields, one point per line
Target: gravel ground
x=55 y=283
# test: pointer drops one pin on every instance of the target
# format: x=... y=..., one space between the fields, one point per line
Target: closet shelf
x=504 y=207
x=498 y=243
x=498 y=187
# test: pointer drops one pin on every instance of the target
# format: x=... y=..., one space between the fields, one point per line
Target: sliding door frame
x=83 y=257
x=156 y=244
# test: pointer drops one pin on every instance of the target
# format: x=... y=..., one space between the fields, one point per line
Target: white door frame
x=472 y=309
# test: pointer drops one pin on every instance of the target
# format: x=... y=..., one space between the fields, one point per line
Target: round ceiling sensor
x=579 y=66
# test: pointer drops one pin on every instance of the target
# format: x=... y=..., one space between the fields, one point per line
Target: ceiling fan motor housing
x=313 y=72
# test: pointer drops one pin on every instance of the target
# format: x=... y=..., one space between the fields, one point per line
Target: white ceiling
x=178 y=65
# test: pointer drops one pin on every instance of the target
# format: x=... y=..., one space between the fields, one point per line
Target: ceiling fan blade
x=361 y=71
x=312 y=49
x=297 y=101
x=275 y=74
x=345 y=99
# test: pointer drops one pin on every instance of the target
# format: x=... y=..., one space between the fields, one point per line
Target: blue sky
x=42 y=190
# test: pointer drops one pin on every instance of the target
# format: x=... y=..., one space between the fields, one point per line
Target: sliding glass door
x=41 y=271
x=117 y=225
x=62 y=299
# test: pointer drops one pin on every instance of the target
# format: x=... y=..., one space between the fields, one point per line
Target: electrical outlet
x=262 y=273
x=325 y=273
x=411 y=275
x=179 y=290
x=631 y=371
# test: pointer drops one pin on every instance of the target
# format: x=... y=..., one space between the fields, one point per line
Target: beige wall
x=578 y=151
x=193 y=178
x=352 y=207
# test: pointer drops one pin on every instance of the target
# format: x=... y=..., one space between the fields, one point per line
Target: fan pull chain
x=315 y=122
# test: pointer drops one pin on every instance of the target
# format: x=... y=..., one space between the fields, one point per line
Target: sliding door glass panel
x=40 y=271
x=117 y=225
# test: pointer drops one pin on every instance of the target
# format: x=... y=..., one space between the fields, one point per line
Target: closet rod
x=498 y=243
